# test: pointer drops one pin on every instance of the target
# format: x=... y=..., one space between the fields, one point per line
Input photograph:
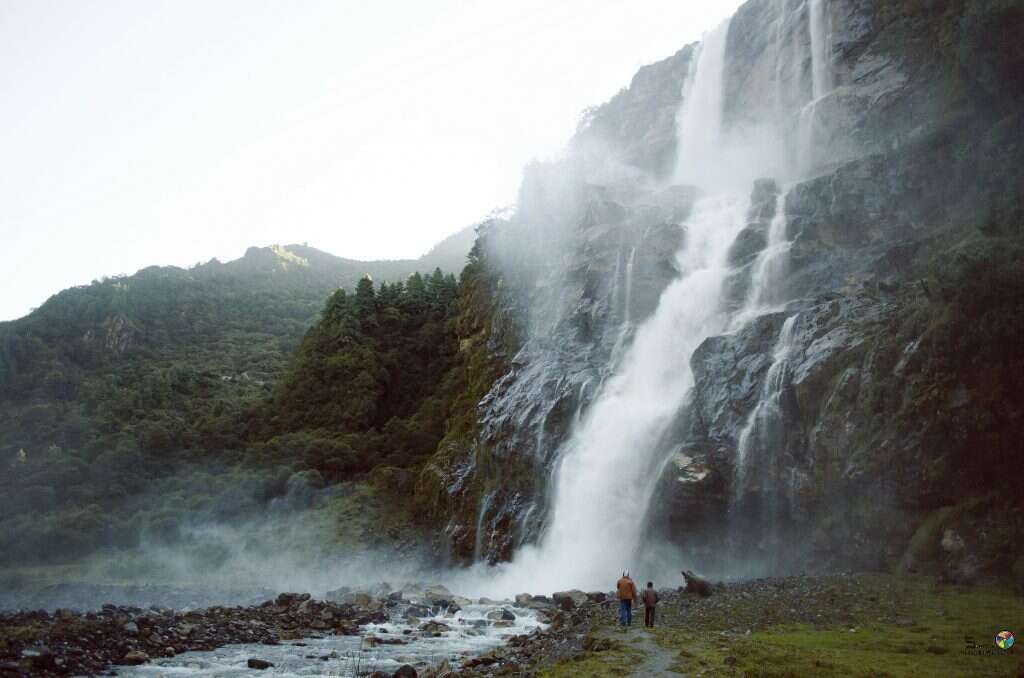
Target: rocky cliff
x=860 y=423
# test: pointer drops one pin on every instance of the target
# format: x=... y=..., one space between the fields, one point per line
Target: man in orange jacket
x=626 y=590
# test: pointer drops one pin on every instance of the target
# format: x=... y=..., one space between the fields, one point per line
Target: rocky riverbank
x=423 y=620
x=68 y=642
x=834 y=625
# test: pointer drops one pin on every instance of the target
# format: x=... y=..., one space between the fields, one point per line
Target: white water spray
x=818 y=25
x=767 y=280
x=763 y=435
x=609 y=466
x=699 y=121
x=821 y=71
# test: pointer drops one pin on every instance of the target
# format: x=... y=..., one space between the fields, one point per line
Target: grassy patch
x=618 y=660
x=930 y=641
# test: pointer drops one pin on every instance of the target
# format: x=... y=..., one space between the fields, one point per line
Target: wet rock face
x=638 y=124
x=581 y=308
x=889 y=65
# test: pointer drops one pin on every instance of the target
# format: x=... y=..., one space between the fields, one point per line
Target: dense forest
x=136 y=405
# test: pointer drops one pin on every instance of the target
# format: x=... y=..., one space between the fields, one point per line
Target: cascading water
x=609 y=467
x=764 y=433
x=821 y=73
x=629 y=286
x=699 y=122
x=756 y=509
x=767 y=280
x=818 y=25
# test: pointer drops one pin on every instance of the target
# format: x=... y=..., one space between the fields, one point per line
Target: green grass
x=618 y=660
x=929 y=642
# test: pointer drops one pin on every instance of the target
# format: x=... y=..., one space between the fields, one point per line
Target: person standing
x=626 y=591
x=650 y=597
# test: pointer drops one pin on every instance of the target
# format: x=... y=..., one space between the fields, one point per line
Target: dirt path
x=653 y=661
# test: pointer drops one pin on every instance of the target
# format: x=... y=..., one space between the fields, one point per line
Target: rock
x=359 y=599
x=39 y=656
x=134 y=658
x=377 y=640
x=729 y=661
x=259 y=664
x=289 y=599
x=569 y=600
x=952 y=542
x=435 y=593
x=503 y=614
x=335 y=595
x=523 y=599
x=592 y=644
x=597 y=596
x=404 y=671
x=435 y=628
x=695 y=584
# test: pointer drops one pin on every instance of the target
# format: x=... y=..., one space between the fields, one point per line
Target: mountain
x=109 y=387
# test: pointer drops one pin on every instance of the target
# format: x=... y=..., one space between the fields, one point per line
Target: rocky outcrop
x=638 y=125
x=878 y=272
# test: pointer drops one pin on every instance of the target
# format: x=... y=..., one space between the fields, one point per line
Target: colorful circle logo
x=1004 y=639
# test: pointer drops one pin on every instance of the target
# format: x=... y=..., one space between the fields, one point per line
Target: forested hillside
x=210 y=383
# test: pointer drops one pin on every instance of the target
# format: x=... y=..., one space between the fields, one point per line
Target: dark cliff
x=901 y=394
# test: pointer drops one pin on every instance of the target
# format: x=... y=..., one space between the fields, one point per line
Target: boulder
x=259 y=664
x=437 y=593
x=695 y=584
x=569 y=600
x=404 y=671
x=134 y=658
x=502 y=614
x=434 y=628
x=289 y=599
x=39 y=656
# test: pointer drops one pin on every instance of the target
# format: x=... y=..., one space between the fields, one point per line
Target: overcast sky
x=144 y=132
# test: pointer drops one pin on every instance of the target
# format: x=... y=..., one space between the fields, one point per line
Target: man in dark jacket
x=650 y=597
x=625 y=590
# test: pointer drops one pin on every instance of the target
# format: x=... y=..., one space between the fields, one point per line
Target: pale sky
x=145 y=132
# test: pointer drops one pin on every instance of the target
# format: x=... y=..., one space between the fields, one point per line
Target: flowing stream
x=471 y=633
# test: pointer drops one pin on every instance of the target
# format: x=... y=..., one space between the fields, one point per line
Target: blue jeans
x=626 y=612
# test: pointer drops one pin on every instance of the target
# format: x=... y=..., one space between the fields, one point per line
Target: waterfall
x=699 y=121
x=821 y=72
x=763 y=433
x=768 y=277
x=608 y=467
x=755 y=508
x=819 y=28
x=485 y=505
x=629 y=286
